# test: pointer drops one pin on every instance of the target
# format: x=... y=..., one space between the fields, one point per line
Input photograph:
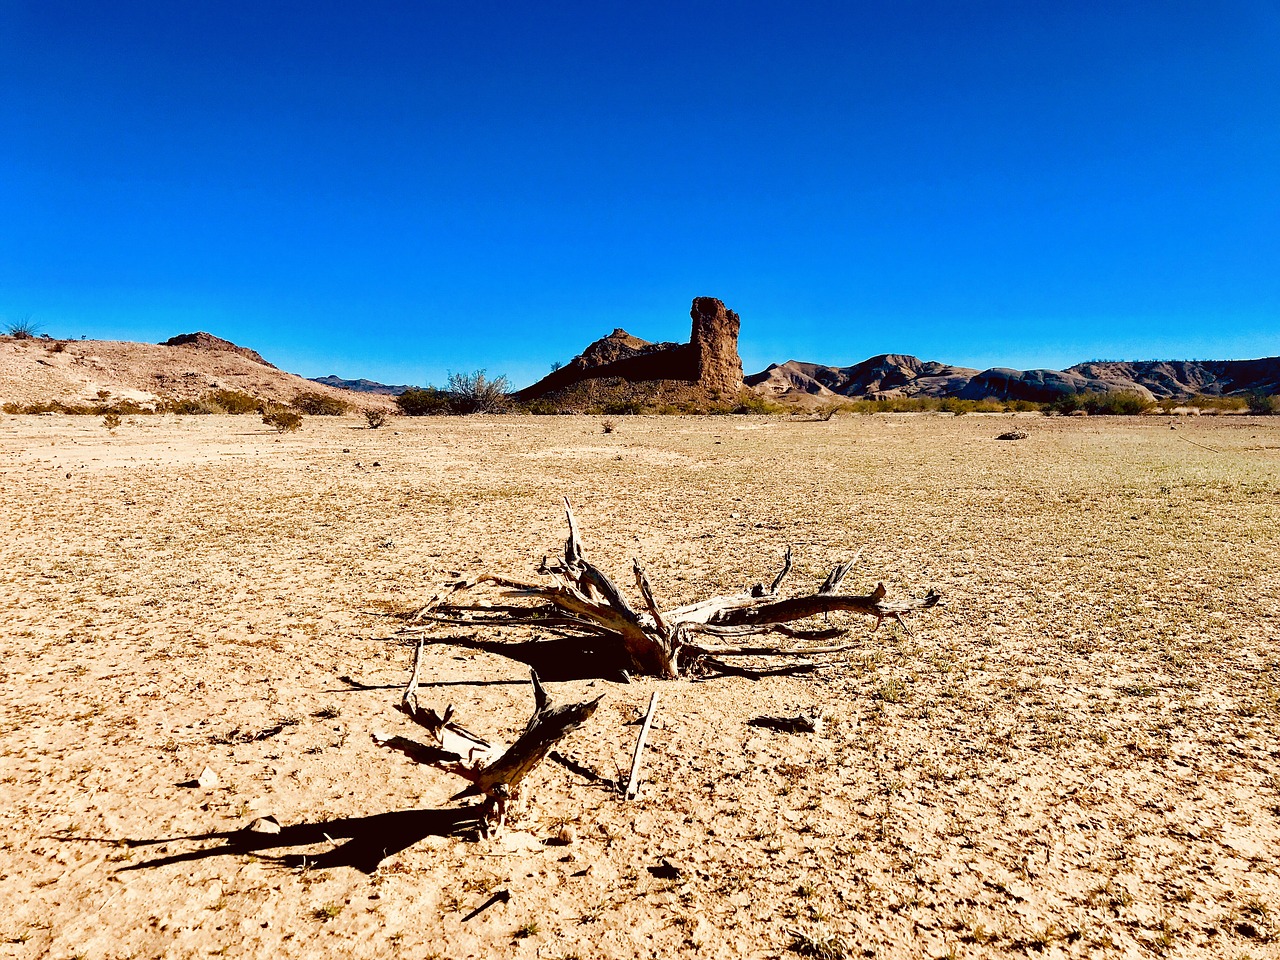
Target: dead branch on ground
x=581 y=599
x=493 y=772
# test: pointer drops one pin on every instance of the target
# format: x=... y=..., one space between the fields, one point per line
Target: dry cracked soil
x=1076 y=757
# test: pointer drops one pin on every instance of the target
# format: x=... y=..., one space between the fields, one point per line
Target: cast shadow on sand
x=359 y=842
x=557 y=660
x=566 y=658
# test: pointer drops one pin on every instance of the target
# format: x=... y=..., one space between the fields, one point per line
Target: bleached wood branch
x=658 y=643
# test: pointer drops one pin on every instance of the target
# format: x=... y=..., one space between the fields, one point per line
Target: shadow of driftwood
x=558 y=659
x=369 y=840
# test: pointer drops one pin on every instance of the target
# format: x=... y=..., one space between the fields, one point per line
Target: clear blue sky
x=396 y=190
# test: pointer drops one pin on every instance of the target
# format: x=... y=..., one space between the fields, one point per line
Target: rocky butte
x=623 y=367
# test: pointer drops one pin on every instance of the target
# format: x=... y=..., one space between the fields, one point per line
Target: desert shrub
x=57 y=346
x=627 y=406
x=543 y=407
x=1115 y=403
x=475 y=393
x=51 y=406
x=375 y=418
x=318 y=404
x=609 y=426
x=281 y=417
x=125 y=408
x=422 y=402
x=185 y=405
x=754 y=403
x=24 y=329
x=961 y=407
x=1121 y=403
x=232 y=401
x=111 y=421
x=1204 y=404
x=1262 y=403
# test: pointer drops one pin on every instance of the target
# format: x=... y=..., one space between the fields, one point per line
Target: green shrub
x=423 y=401
x=1262 y=403
x=1114 y=403
x=318 y=404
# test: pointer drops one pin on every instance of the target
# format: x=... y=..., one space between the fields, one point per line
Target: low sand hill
x=187 y=367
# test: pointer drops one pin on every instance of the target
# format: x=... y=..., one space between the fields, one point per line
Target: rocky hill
x=1176 y=378
x=40 y=370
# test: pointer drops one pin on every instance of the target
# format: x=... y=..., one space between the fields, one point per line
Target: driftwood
x=633 y=781
x=582 y=599
x=493 y=772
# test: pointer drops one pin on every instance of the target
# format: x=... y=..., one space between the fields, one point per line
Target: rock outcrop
x=715 y=346
x=707 y=367
x=207 y=341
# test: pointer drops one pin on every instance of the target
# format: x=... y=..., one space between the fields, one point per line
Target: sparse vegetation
x=375 y=418
x=111 y=421
x=423 y=402
x=818 y=943
x=317 y=404
x=282 y=418
x=23 y=328
x=475 y=393
x=1263 y=404
x=1116 y=403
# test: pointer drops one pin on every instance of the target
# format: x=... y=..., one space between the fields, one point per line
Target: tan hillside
x=79 y=371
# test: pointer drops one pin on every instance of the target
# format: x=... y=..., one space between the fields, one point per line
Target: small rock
x=267 y=824
x=1012 y=435
x=346 y=449
x=207 y=779
x=376 y=463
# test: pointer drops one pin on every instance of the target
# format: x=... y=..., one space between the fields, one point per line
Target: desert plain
x=1076 y=756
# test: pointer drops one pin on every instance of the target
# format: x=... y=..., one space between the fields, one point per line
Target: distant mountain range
x=363 y=386
x=897 y=375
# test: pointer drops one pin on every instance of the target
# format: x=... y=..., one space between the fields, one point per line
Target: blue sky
x=397 y=190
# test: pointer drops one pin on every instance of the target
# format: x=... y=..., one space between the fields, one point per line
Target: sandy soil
x=1077 y=757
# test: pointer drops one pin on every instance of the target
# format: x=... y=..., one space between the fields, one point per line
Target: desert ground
x=1077 y=756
